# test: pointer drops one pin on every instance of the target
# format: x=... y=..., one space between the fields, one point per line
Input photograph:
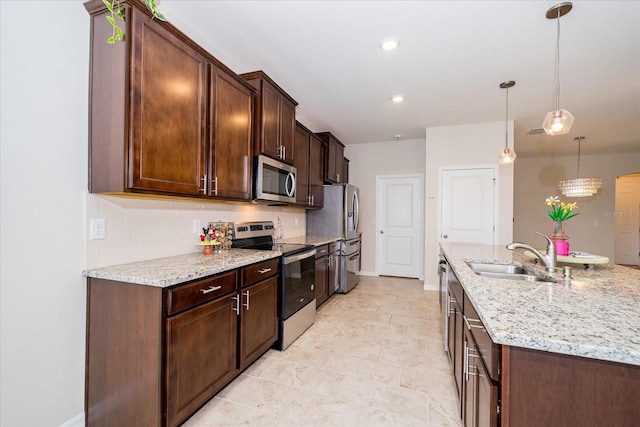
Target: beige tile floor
x=374 y=356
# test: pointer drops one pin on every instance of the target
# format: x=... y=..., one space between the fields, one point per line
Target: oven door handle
x=297 y=257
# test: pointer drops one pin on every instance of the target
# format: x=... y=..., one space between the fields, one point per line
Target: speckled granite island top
x=596 y=316
x=312 y=240
x=169 y=271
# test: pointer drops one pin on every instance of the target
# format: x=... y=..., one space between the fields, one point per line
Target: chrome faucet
x=549 y=259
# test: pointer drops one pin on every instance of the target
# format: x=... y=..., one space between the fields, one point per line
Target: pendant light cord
x=506 y=123
x=558 y=64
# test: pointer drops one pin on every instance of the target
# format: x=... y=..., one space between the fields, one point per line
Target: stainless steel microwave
x=274 y=181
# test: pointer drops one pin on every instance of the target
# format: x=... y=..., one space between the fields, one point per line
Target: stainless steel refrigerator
x=340 y=217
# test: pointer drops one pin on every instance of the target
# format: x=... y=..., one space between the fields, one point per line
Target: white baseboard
x=77 y=421
x=368 y=273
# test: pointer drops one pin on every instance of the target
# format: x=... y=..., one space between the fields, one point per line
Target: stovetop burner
x=259 y=235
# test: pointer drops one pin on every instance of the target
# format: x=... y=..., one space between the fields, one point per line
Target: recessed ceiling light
x=397 y=98
x=389 y=43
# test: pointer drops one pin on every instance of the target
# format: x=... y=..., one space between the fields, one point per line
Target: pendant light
x=559 y=121
x=579 y=187
x=507 y=156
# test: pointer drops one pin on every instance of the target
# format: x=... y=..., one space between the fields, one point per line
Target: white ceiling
x=452 y=57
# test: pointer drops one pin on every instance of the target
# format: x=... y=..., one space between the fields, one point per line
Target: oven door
x=298 y=282
x=274 y=181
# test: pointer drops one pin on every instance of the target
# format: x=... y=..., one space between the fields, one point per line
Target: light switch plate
x=98 y=229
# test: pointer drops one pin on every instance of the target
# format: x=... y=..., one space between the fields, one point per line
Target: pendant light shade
x=559 y=121
x=579 y=187
x=507 y=156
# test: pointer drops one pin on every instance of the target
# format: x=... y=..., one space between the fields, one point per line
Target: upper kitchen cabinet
x=275 y=118
x=345 y=170
x=309 y=164
x=333 y=159
x=230 y=137
x=155 y=123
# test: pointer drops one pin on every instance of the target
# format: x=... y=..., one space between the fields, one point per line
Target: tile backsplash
x=144 y=228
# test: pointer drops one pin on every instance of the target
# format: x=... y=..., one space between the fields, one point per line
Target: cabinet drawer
x=489 y=351
x=322 y=251
x=259 y=271
x=193 y=294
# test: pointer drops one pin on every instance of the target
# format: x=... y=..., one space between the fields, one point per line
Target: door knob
x=445 y=236
x=381 y=232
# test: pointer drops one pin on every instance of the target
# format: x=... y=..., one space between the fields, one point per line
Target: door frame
x=496 y=195
x=421 y=207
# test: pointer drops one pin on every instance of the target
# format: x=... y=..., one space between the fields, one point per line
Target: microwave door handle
x=290 y=179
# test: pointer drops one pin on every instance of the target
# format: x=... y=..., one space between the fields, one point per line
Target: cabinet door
x=316 y=179
x=302 y=165
x=487 y=413
x=458 y=347
x=270 y=138
x=287 y=129
x=321 y=280
x=168 y=90
x=469 y=396
x=230 y=137
x=258 y=320
x=201 y=356
x=334 y=161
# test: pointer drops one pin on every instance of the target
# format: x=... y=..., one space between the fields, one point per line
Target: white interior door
x=399 y=216
x=627 y=220
x=468 y=205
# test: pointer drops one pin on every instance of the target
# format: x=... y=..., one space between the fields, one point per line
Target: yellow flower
x=552 y=200
x=573 y=205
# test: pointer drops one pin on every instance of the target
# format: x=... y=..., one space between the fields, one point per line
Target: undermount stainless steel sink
x=496 y=268
x=505 y=271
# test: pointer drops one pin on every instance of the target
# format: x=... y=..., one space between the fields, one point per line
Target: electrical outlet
x=197 y=227
x=98 y=229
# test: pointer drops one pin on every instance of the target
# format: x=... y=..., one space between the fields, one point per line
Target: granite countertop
x=596 y=315
x=312 y=240
x=169 y=271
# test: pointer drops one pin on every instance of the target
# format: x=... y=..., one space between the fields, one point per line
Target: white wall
x=368 y=161
x=44 y=80
x=465 y=145
x=593 y=230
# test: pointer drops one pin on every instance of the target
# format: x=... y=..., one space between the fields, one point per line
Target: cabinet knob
x=445 y=236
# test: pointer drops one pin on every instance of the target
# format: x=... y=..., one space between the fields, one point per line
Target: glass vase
x=560 y=239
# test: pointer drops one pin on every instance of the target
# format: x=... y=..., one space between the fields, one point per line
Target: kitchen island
x=564 y=352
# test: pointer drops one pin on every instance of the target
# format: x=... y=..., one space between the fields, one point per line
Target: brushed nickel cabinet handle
x=264 y=270
x=210 y=289
x=237 y=307
x=247 y=304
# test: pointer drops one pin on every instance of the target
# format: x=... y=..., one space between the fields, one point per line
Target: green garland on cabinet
x=116 y=11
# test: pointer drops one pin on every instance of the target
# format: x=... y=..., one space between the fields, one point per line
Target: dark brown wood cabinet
x=309 y=163
x=345 y=170
x=327 y=269
x=155 y=355
x=155 y=126
x=258 y=312
x=334 y=158
x=230 y=137
x=201 y=355
x=275 y=113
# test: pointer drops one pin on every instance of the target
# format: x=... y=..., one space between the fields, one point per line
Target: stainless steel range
x=296 y=293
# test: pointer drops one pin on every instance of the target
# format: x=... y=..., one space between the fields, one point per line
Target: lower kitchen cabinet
x=201 y=355
x=327 y=270
x=156 y=355
x=258 y=320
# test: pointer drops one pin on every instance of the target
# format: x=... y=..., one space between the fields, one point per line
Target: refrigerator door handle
x=356 y=212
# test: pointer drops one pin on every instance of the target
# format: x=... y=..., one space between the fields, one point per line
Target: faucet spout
x=549 y=259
